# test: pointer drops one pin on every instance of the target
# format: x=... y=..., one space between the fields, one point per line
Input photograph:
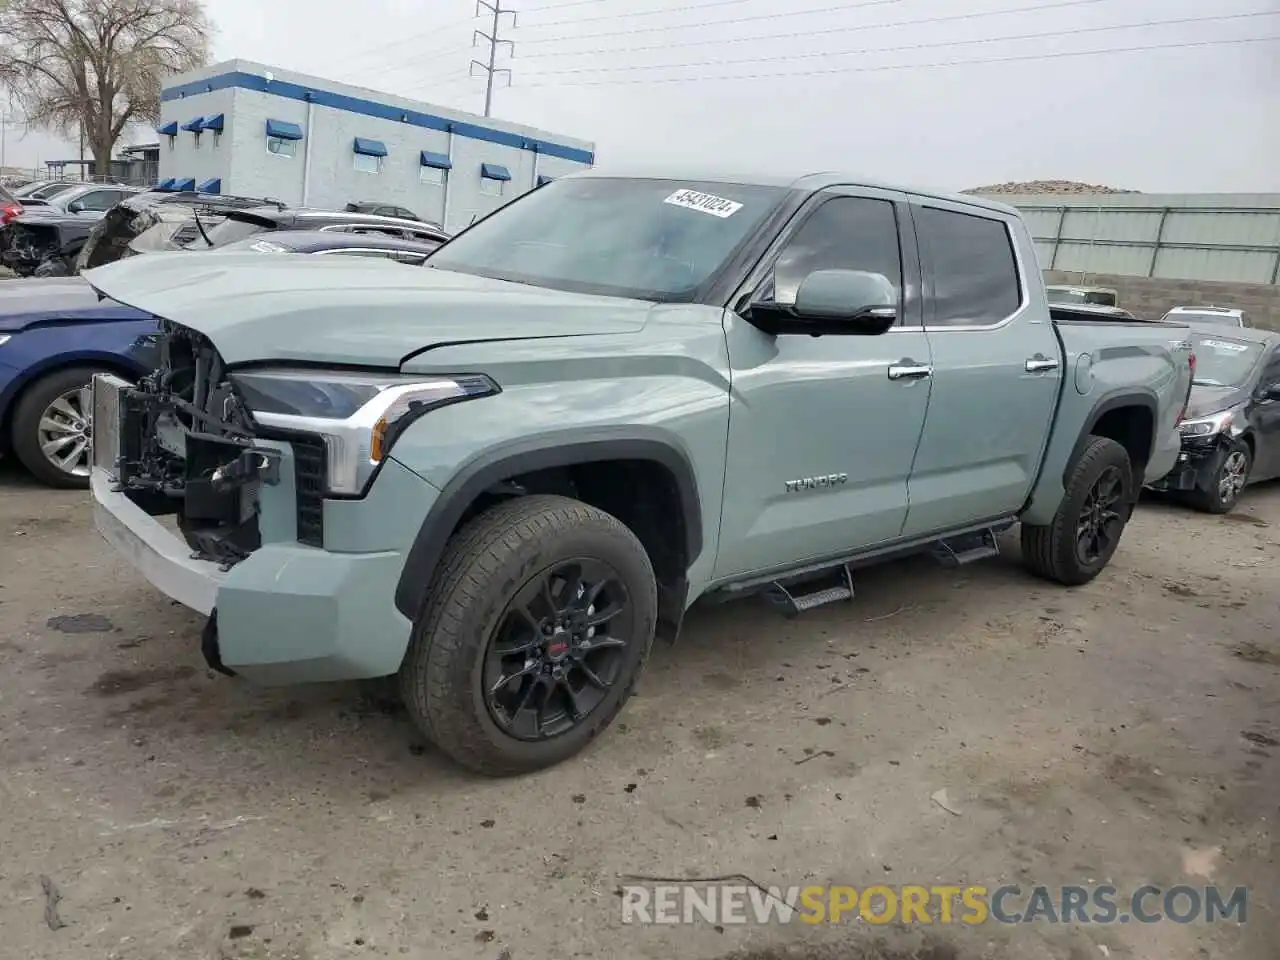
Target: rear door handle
x=1040 y=363
x=908 y=369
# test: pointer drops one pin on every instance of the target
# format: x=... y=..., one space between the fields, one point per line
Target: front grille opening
x=310 y=476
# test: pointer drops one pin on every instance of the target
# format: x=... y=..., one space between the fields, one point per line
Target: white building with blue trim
x=248 y=129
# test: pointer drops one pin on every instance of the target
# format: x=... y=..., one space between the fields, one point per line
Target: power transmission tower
x=494 y=42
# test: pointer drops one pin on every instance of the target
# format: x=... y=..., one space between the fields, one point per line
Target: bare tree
x=89 y=67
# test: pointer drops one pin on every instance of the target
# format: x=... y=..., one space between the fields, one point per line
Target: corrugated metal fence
x=1227 y=237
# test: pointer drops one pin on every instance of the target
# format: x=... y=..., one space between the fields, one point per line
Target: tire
x=1051 y=551
x=451 y=666
x=28 y=439
x=1222 y=495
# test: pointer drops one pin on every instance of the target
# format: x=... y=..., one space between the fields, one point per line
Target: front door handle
x=1040 y=363
x=908 y=369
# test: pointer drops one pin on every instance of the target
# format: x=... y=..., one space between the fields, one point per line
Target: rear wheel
x=1222 y=492
x=539 y=623
x=1084 y=533
x=52 y=426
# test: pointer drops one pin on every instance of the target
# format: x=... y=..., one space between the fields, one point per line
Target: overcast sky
x=793 y=85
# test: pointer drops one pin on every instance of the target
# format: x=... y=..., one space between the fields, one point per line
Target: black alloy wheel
x=1101 y=517
x=558 y=649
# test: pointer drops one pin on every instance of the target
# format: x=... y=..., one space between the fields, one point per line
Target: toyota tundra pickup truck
x=499 y=476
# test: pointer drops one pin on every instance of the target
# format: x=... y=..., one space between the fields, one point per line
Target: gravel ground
x=1123 y=732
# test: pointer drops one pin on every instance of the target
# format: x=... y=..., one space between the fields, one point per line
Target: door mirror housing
x=1270 y=391
x=832 y=302
x=75 y=206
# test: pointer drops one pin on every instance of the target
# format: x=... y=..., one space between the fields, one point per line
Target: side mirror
x=75 y=206
x=832 y=301
x=1270 y=392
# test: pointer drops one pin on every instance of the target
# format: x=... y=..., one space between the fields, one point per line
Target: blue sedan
x=54 y=335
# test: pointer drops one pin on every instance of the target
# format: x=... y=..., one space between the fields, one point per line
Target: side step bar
x=793 y=597
x=967 y=548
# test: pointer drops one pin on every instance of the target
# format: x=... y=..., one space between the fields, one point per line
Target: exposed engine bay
x=27 y=247
x=186 y=447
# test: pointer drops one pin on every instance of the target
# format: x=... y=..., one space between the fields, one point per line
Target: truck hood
x=1206 y=399
x=347 y=310
x=40 y=302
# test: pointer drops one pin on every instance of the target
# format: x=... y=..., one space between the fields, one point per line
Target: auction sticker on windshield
x=1223 y=345
x=704 y=203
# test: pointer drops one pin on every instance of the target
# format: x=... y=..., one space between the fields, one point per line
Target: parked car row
x=55 y=333
x=57 y=229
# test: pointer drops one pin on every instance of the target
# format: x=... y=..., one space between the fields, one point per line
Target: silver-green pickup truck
x=499 y=475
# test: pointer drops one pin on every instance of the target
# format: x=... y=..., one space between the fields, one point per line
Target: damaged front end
x=186 y=447
x=26 y=246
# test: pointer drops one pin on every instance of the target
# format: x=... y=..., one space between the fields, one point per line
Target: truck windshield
x=1224 y=362
x=659 y=240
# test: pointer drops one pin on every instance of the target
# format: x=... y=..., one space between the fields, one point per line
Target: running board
x=795 y=596
x=968 y=548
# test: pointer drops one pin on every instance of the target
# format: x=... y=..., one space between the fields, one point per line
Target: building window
x=491 y=188
x=431 y=175
x=365 y=163
x=281 y=147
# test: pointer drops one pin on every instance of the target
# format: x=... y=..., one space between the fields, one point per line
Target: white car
x=1200 y=316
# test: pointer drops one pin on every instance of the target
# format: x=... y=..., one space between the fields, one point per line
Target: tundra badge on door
x=816 y=483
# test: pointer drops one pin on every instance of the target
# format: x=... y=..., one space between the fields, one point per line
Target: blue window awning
x=283 y=130
x=194 y=126
x=213 y=123
x=543 y=179
x=440 y=161
x=211 y=186
x=187 y=184
x=165 y=184
x=494 y=171
x=370 y=148
x=170 y=129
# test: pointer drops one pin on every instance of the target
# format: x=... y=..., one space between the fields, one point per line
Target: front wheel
x=52 y=425
x=540 y=619
x=1221 y=493
x=1082 y=537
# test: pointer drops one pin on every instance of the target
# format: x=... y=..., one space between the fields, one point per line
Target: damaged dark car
x=45 y=241
x=1231 y=433
x=158 y=220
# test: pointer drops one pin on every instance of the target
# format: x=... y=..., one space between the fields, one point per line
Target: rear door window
x=971 y=263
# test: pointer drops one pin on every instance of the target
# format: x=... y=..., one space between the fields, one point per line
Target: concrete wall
x=331 y=115
x=1150 y=298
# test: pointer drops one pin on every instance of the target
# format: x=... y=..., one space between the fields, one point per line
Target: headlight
x=358 y=415
x=1220 y=422
x=5 y=338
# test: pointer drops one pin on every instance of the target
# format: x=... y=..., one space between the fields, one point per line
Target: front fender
x=677 y=421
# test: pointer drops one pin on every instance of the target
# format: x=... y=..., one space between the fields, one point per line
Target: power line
x=685 y=8
x=808 y=34
x=494 y=42
x=911 y=66
x=840 y=8
x=381 y=49
x=914 y=46
x=559 y=6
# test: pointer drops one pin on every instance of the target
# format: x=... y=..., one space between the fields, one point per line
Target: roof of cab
x=806 y=181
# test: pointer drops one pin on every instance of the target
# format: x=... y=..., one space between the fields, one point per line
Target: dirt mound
x=1046 y=186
